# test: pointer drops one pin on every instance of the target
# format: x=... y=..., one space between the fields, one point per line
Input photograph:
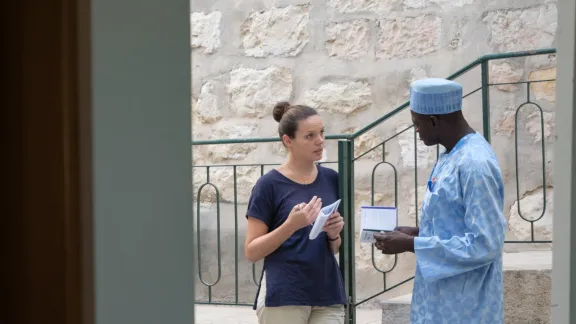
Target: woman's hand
x=334 y=225
x=303 y=215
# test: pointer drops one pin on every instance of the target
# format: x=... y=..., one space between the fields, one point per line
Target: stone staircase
x=527 y=291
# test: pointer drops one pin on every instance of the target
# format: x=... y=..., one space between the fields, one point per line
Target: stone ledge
x=527 y=296
x=395 y=313
x=527 y=260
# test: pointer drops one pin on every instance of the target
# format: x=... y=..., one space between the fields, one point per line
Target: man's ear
x=434 y=120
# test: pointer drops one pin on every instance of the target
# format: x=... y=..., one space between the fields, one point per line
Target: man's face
x=427 y=128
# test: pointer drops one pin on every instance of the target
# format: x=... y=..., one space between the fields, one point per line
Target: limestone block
x=406 y=216
x=418 y=74
x=207 y=194
x=276 y=32
x=349 y=39
x=534 y=125
x=366 y=142
x=456 y=31
x=234 y=129
x=279 y=149
x=504 y=73
x=413 y=206
x=212 y=100
x=415 y=74
x=245 y=177
x=532 y=206
x=364 y=258
x=227 y=130
x=408 y=36
x=549 y=172
x=424 y=154
x=444 y=4
x=544 y=90
x=383 y=184
x=540 y=62
x=197 y=153
x=354 y=6
x=456 y=41
x=364 y=198
x=254 y=92
x=222 y=177
x=416 y=4
x=505 y=125
x=205 y=31
x=522 y=29
x=193 y=108
x=340 y=98
x=385 y=197
x=221 y=153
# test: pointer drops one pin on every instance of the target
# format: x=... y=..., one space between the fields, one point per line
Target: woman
x=301 y=282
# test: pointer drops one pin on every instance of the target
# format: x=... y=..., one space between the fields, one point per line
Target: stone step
x=527 y=291
x=397 y=310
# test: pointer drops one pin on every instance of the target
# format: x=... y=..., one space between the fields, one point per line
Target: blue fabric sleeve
x=483 y=240
x=261 y=202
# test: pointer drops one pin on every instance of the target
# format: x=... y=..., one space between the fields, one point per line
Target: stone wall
x=353 y=60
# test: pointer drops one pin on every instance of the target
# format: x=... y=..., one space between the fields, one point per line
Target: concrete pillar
x=564 y=257
x=142 y=162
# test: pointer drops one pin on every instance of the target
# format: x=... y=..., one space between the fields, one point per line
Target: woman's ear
x=287 y=141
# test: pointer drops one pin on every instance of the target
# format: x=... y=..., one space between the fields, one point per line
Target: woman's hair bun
x=280 y=109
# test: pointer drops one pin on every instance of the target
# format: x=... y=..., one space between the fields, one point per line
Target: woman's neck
x=300 y=167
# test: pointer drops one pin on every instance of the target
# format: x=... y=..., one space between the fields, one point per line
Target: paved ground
x=206 y=314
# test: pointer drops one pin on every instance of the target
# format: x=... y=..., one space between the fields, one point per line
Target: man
x=459 y=243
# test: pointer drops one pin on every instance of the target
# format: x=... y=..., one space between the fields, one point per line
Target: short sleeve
x=261 y=202
x=333 y=177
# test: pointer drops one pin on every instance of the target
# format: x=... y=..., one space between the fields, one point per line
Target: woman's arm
x=333 y=227
x=335 y=244
x=259 y=243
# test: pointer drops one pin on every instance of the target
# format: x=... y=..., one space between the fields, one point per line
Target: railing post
x=347 y=254
x=486 y=98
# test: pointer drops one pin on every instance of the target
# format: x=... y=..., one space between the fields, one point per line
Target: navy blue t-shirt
x=301 y=272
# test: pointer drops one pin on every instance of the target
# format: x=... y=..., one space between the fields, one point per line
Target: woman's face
x=308 y=142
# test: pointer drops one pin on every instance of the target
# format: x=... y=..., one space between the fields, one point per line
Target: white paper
x=376 y=219
x=323 y=216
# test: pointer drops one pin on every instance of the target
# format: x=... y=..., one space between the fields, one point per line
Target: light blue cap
x=435 y=97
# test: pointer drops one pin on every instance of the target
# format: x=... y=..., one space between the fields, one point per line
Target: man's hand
x=394 y=242
x=408 y=230
x=334 y=225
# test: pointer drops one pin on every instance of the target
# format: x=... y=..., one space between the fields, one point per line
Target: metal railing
x=346 y=162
